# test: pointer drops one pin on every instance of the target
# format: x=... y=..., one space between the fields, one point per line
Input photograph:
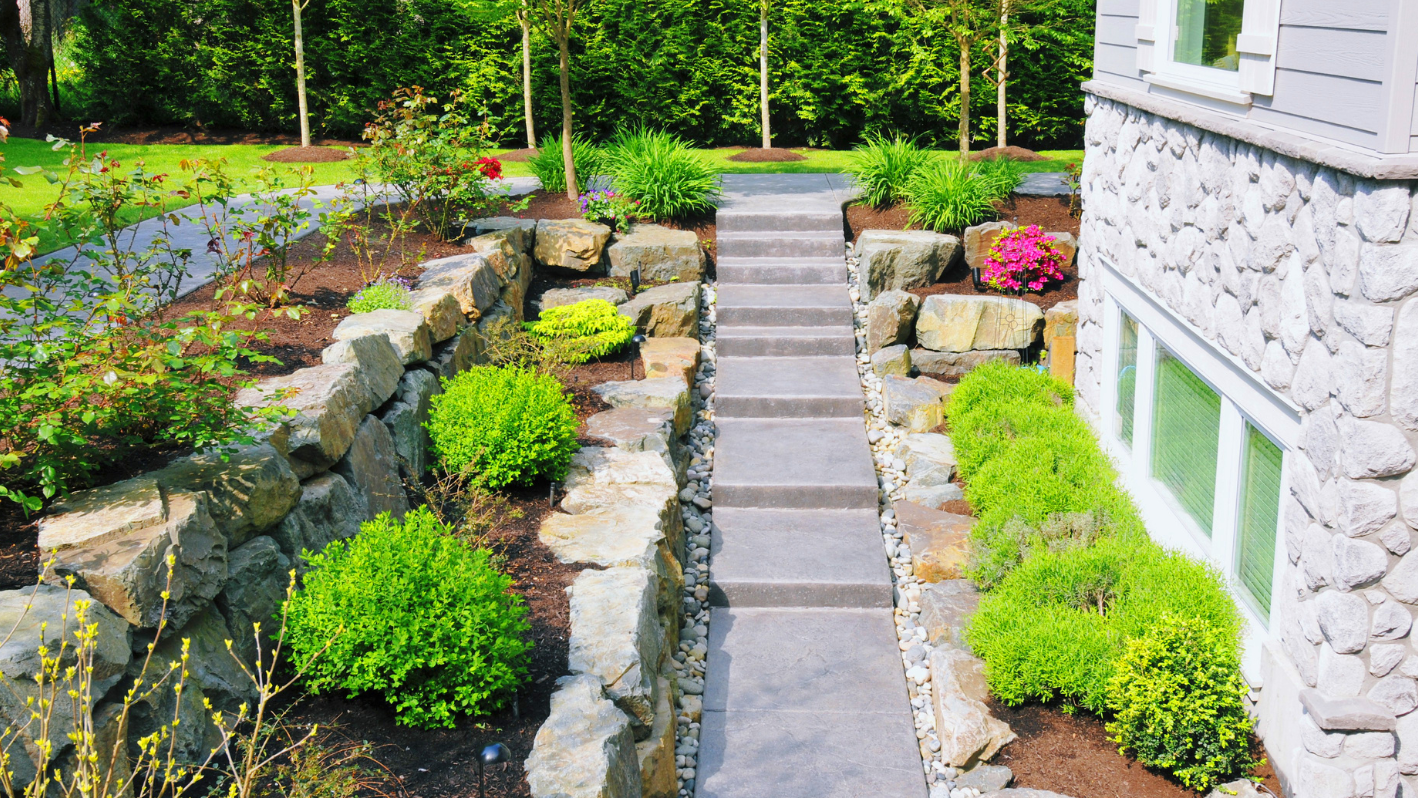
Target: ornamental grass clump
x=661 y=172
x=952 y=195
x=386 y=293
x=408 y=611
x=1023 y=259
x=549 y=167
x=882 y=168
x=583 y=330
x=503 y=425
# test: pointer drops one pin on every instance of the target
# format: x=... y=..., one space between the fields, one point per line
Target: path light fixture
x=551 y=495
x=975 y=277
x=634 y=282
x=491 y=755
x=637 y=340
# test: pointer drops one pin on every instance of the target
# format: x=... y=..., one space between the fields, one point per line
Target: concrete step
x=798 y=558
x=816 y=463
x=782 y=271
x=779 y=244
x=765 y=221
x=788 y=387
x=784 y=305
x=806 y=703
x=755 y=341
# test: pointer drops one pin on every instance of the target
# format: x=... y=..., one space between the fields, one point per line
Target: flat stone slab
x=1044 y=184
x=810 y=463
x=781 y=271
x=784 y=305
x=788 y=387
x=766 y=341
x=797 y=558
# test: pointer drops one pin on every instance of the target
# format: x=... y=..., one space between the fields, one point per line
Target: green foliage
x=882 y=168
x=549 y=165
x=660 y=171
x=953 y=194
x=383 y=295
x=1003 y=174
x=411 y=612
x=583 y=330
x=504 y=425
x=1177 y=698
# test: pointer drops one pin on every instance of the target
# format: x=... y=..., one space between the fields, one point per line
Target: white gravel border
x=891 y=479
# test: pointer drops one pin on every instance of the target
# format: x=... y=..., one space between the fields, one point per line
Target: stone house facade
x=1248 y=345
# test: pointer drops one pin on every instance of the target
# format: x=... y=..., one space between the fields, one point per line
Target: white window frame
x=1256 y=45
x=1244 y=399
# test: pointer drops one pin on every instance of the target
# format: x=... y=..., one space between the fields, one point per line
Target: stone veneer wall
x=1306 y=275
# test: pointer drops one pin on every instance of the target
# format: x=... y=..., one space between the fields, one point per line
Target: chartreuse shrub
x=549 y=165
x=661 y=172
x=504 y=425
x=883 y=167
x=583 y=330
x=1177 y=698
x=412 y=613
x=381 y=295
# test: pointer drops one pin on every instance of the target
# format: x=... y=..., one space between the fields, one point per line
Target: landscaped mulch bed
x=312 y=154
x=1011 y=152
x=769 y=155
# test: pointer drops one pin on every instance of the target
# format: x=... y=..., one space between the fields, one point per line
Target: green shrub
x=952 y=195
x=1003 y=174
x=1177 y=699
x=414 y=614
x=549 y=166
x=660 y=170
x=504 y=425
x=883 y=168
x=383 y=295
x=583 y=330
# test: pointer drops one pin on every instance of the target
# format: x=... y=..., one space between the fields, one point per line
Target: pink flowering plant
x=1023 y=259
x=609 y=208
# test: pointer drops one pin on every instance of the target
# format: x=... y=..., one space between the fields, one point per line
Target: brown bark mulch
x=519 y=156
x=769 y=155
x=310 y=154
x=1011 y=152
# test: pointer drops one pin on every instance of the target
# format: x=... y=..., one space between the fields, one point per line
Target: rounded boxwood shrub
x=1177 y=698
x=582 y=330
x=504 y=425
x=414 y=614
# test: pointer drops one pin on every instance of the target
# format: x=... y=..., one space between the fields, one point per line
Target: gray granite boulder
x=585 y=748
x=470 y=278
x=329 y=402
x=628 y=534
x=660 y=253
x=440 y=310
x=901 y=259
x=210 y=666
x=571 y=245
x=521 y=233
x=247 y=493
x=371 y=467
x=958 y=364
x=891 y=319
x=640 y=429
x=406 y=417
x=946 y=607
x=666 y=311
x=328 y=510
x=968 y=733
x=457 y=355
x=602 y=479
x=259 y=575
x=557 y=297
x=407 y=331
x=658 y=393
x=379 y=362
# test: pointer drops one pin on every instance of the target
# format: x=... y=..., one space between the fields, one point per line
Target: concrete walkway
x=805 y=695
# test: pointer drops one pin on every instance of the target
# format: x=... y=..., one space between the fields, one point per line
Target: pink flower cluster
x=1023 y=258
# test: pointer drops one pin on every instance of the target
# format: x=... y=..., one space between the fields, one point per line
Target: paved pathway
x=805 y=696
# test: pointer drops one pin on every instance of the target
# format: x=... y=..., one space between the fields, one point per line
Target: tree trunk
x=964 y=97
x=29 y=46
x=763 y=74
x=563 y=36
x=300 y=76
x=1001 y=111
x=526 y=21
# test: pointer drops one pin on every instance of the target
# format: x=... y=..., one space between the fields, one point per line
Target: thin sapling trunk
x=296 y=8
x=763 y=72
x=524 y=18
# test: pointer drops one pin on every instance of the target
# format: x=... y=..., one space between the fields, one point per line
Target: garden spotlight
x=491 y=755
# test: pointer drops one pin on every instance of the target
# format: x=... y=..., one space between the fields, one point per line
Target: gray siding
x=1115 y=44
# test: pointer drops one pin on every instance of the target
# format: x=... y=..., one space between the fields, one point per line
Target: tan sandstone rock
x=585 y=748
x=968 y=733
x=616 y=637
x=939 y=541
x=660 y=253
x=670 y=393
x=574 y=245
x=671 y=357
x=665 y=311
x=961 y=323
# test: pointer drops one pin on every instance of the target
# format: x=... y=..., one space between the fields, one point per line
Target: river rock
x=259 y=575
x=661 y=392
x=666 y=311
x=980 y=239
x=671 y=357
x=895 y=360
x=406 y=329
x=660 y=253
x=616 y=637
x=946 y=607
x=891 y=318
x=380 y=366
x=962 y=323
x=917 y=404
x=328 y=510
x=406 y=419
x=330 y=401
x=247 y=493
x=902 y=259
x=968 y=733
x=637 y=429
x=985 y=778
x=469 y=278
x=958 y=364
x=371 y=467
x=585 y=748
x=939 y=541
x=623 y=535
x=558 y=297
x=571 y=245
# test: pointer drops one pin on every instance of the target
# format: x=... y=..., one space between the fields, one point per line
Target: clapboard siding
x=1327 y=98
x=1369 y=15
x=1117 y=30
x=1118 y=8
x=1315 y=128
x=1117 y=65
x=1357 y=54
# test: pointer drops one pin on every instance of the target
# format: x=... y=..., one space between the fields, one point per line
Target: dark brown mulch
x=176 y=134
x=769 y=155
x=306 y=155
x=1071 y=754
x=519 y=156
x=861 y=218
x=1011 y=152
x=1050 y=213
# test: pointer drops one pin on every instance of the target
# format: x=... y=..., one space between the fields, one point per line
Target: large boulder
x=939 y=541
x=519 y=232
x=925 y=451
x=602 y=478
x=962 y=323
x=259 y=576
x=248 y=492
x=616 y=637
x=625 y=535
x=406 y=329
x=558 y=297
x=585 y=748
x=666 y=311
x=440 y=310
x=958 y=364
x=329 y=402
x=661 y=392
x=328 y=510
x=469 y=278
x=946 y=607
x=570 y=245
x=968 y=733
x=379 y=363
x=115 y=542
x=513 y=267
x=640 y=429
x=211 y=667
x=891 y=318
x=660 y=253
x=894 y=360
x=916 y=404
x=980 y=239
x=670 y=357
x=901 y=259
x=406 y=417
x=371 y=467
x=1061 y=338
x=458 y=355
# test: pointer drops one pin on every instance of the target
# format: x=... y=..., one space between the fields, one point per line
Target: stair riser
x=782 y=275
x=770 y=247
x=797 y=407
x=801 y=594
x=784 y=317
x=795 y=497
x=729 y=346
x=729 y=222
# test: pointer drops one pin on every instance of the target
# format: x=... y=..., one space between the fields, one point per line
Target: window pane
x=1186 y=424
x=1127 y=378
x=1260 y=516
x=1206 y=33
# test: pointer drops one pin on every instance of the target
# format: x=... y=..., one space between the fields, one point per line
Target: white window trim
x=1243 y=400
x=1256 y=46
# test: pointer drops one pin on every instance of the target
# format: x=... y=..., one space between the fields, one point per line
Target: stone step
x=764 y=221
x=782 y=271
x=806 y=703
x=798 y=558
x=778 y=244
x=788 y=387
x=756 y=341
x=822 y=463
x=784 y=305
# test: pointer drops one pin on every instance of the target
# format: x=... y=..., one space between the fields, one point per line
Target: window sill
x=1210 y=90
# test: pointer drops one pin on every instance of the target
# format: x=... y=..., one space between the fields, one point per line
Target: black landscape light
x=637 y=340
x=975 y=277
x=634 y=282
x=491 y=755
x=551 y=495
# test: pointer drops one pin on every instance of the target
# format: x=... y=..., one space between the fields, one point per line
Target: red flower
x=490 y=167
